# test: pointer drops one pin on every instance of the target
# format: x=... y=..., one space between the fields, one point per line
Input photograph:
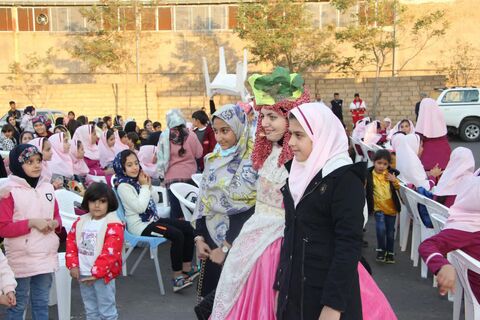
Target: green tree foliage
x=32 y=77
x=381 y=31
x=281 y=33
x=105 y=45
x=461 y=65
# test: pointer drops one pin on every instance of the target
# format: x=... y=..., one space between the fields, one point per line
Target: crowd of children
x=279 y=217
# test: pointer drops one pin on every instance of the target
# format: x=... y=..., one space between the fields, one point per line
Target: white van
x=461 y=107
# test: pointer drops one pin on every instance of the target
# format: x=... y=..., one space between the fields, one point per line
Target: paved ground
x=411 y=296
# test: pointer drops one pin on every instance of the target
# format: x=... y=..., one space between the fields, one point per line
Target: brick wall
x=186 y=91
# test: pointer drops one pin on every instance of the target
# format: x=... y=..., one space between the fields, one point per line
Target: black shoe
x=390 y=258
x=380 y=255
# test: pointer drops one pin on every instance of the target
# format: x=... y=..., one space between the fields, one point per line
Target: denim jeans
x=37 y=289
x=99 y=300
x=385 y=225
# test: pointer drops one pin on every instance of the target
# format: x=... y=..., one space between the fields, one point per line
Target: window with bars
x=6 y=21
x=179 y=18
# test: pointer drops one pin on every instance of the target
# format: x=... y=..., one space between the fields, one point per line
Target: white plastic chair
x=359 y=156
x=147 y=243
x=367 y=153
x=420 y=232
x=93 y=178
x=197 y=178
x=61 y=290
x=66 y=204
x=438 y=222
x=435 y=207
x=160 y=197
x=462 y=263
x=226 y=83
x=404 y=219
x=185 y=193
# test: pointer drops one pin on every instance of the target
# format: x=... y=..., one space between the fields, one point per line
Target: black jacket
x=369 y=190
x=322 y=247
x=337 y=108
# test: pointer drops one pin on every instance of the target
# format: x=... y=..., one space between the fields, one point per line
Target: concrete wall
x=397 y=101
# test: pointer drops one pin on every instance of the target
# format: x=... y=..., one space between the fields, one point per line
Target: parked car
x=461 y=108
x=49 y=113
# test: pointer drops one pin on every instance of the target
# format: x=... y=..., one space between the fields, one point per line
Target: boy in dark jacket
x=383 y=201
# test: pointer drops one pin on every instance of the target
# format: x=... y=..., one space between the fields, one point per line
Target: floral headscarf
x=228 y=184
x=121 y=177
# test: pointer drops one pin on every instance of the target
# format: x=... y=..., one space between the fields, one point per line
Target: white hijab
x=408 y=162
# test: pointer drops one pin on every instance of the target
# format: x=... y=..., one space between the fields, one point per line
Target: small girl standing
x=94 y=252
x=384 y=203
x=28 y=228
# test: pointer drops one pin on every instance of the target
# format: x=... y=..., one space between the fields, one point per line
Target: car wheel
x=470 y=131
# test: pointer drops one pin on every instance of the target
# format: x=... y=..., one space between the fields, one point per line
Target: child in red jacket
x=94 y=251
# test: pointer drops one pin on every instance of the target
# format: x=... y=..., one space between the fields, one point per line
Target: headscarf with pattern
x=121 y=177
x=229 y=181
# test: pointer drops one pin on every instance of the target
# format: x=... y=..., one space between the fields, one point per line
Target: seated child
x=461 y=231
x=460 y=166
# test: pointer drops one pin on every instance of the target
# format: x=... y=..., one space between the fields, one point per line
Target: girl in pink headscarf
x=61 y=163
x=148 y=160
x=358 y=132
x=407 y=147
x=460 y=167
x=45 y=147
x=324 y=198
x=106 y=148
x=120 y=142
x=374 y=134
x=77 y=153
x=406 y=126
x=87 y=135
x=461 y=231
x=433 y=130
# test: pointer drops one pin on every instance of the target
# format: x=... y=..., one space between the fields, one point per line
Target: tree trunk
x=375 y=93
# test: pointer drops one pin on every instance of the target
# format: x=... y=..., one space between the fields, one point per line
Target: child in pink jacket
x=7 y=283
x=29 y=217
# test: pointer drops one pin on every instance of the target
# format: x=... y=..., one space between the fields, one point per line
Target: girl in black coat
x=324 y=198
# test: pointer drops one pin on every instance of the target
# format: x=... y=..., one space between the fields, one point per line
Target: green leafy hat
x=275 y=87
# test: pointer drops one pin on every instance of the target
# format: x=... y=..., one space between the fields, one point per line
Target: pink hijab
x=80 y=168
x=46 y=172
x=396 y=129
x=83 y=134
x=431 y=121
x=119 y=145
x=408 y=163
x=460 y=166
x=61 y=162
x=148 y=160
x=328 y=138
x=107 y=154
x=465 y=213
x=358 y=132
x=371 y=133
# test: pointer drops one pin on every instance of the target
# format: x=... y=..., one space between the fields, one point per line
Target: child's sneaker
x=380 y=255
x=180 y=283
x=389 y=258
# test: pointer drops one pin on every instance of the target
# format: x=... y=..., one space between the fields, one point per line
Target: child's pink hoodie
x=29 y=251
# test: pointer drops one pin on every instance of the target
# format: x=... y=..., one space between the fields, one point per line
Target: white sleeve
x=364 y=105
x=353 y=106
x=134 y=203
x=7 y=278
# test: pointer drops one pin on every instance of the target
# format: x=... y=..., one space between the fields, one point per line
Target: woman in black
x=324 y=198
